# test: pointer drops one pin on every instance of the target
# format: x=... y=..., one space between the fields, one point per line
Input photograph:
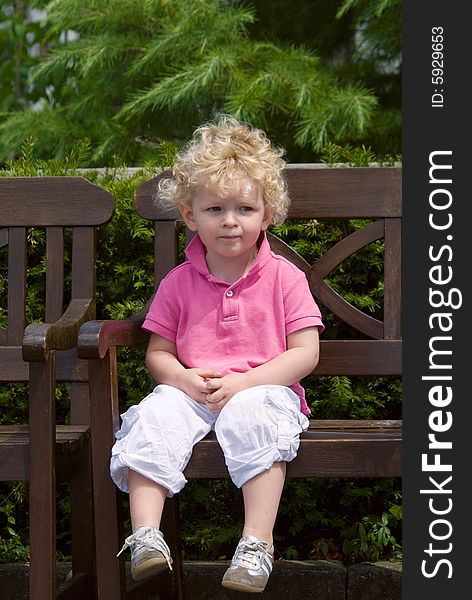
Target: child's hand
x=194 y=383
x=221 y=390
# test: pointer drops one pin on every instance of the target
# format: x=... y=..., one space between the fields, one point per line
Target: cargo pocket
x=288 y=440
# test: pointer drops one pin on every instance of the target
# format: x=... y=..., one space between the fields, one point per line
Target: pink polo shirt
x=233 y=328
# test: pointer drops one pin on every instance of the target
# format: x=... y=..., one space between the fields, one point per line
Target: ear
x=187 y=214
x=269 y=213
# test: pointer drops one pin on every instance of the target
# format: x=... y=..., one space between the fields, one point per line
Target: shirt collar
x=196 y=251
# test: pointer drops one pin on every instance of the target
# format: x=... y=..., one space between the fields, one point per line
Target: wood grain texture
x=44 y=353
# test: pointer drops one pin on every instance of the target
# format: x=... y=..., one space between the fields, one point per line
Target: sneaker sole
x=241 y=587
x=153 y=566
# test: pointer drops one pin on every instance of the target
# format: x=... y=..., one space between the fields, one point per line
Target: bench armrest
x=40 y=338
x=97 y=337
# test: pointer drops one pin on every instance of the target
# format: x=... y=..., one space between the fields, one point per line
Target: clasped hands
x=211 y=387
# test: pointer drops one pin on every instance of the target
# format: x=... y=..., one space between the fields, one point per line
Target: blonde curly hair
x=221 y=154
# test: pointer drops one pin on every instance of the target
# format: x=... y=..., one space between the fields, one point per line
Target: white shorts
x=257 y=427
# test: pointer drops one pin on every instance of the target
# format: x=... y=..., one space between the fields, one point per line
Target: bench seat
x=329 y=448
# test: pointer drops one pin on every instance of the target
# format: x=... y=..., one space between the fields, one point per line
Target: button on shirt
x=233 y=328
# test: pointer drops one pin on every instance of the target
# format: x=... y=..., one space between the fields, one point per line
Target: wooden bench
x=44 y=354
x=337 y=448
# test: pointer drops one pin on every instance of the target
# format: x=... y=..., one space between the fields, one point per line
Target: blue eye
x=214 y=209
x=246 y=208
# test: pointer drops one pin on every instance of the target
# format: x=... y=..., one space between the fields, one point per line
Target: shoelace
x=148 y=541
x=248 y=551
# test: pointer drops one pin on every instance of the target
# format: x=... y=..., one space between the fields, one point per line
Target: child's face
x=229 y=226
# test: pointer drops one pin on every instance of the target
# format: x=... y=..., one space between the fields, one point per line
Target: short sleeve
x=163 y=315
x=301 y=310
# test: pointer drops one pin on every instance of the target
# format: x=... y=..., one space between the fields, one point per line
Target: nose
x=229 y=219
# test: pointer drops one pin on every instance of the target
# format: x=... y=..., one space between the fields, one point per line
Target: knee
x=163 y=404
x=243 y=419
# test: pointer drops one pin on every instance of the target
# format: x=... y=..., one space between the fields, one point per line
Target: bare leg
x=146 y=500
x=261 y=502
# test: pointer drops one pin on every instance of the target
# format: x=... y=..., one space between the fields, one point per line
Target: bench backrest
x=46 y=224
x=320 y=192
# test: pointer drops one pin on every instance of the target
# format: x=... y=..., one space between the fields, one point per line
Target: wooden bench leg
x=82 y=523
x=171 y=530
x=111 y=583
x=110 y=572
x=42 y=485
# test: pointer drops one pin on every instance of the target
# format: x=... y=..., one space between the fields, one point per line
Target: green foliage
x=212 y=517
x=358 y=156
x=319 y=518
x=13 y=547
x=22 y=40
x=137 y=73
x=27 y=164
x=346 y=519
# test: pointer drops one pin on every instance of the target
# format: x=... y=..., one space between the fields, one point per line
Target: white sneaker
x=250 y=567
x=149 y=552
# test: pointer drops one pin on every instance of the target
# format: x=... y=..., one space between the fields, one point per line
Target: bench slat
x=54 y=273
x=353 y=425
x=320 y=193
x=14 y=453
x=16 y=285
x=68 y=366
x=329 y=448
x=360 y=357
x=53 y=201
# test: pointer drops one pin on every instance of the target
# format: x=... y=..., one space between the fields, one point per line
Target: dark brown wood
x=83 y=262
x=54 y=274
x=14 y=368
x=42 y=202
x=40 y=338
x=320 y=192
x=14 y=450
x=171 y=526
x=146 y=205
x=392 y=279
x=16 y=285
x=42 y=488
x=360 y=357
x=338 y=452
x=165 y=253
x=43 y=353
x=79 y=401
x=96 y=337
x=104 y=415
x=339 y=448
